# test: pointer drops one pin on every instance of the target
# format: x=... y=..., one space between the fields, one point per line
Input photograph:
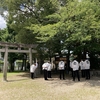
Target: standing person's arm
x=43 y=67
x=70 y=64
x=78 y=65
x=64 y=65
x=89 y=64
x=58 y=65
x=36 y=65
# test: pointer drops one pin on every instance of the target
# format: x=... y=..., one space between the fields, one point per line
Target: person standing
x=45 y=68
x=82 y=67
x=32 y=69
x=49 y=70
x=61 y=67
x=75 y=67
x=71 y=68
x=87 y=68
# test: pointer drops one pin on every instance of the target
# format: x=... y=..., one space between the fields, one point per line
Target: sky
x=2 y=23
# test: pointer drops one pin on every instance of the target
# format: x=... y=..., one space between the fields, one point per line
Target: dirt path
x=21 y=87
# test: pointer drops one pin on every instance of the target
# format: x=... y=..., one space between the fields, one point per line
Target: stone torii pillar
x=5 y=64
x=30 y=56
x=6 y=50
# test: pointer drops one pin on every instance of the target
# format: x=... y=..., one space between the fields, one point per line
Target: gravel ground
x=21 y=87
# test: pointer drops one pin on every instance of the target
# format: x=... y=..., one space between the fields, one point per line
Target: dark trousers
x=49 y=74
x=72 y=72
x=83 y=73
x=87 y=72
x=32 y=75
x=62 y=74
x=76 y=73
x=45 y=74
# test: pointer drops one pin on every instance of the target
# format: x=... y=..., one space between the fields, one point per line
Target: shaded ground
x=21 y=87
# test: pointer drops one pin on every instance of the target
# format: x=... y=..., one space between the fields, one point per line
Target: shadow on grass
x=17 y=76
x=25 y=74
x=16 y=80
x=94 y=81
x=55 y=81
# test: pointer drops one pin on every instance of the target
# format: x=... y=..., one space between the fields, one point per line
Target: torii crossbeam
x=5 y=48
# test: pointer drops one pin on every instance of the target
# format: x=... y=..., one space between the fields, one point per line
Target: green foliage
x=23 y=13
x=56 y=24
x=3 y=7
x=76 y=24
x=4 y=35
x=26 y=36
x=82 y=23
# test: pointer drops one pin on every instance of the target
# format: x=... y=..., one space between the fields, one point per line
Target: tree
x=26 y=12
x=4 y=35
x=84 y=25
x=74 y=25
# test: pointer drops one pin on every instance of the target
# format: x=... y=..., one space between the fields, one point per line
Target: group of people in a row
x=46 y=68
x=83 y=65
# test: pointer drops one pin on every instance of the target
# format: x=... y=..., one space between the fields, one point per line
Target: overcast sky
x=2 y=22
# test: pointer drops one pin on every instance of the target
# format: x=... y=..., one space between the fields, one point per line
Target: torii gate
x=4 y=48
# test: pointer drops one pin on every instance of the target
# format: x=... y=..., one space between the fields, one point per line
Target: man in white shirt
x=49 y=70
x=45 y=68
x=32 y=69
x=82 y=67
x=61 y=67
x=75 y=67
x=87 y=68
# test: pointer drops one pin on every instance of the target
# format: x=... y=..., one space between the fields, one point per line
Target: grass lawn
x=20 y=87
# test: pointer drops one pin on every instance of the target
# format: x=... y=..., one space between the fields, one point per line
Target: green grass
x=21 y=87
x=11 y=73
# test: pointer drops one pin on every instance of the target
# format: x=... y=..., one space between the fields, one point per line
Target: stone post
x=5 y=64
x=30 y=56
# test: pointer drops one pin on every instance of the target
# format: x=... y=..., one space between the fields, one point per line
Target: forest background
x=57 y=26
